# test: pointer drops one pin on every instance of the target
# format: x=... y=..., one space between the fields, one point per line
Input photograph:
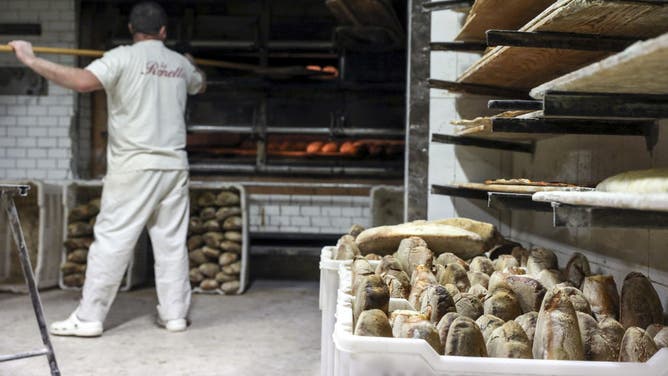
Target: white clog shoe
x=75 y=327
x=176 y=325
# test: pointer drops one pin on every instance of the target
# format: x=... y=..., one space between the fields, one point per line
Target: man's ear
x=163 y=32
x=130 y=29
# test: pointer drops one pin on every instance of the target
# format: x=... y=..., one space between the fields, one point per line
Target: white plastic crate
x=358 y=355
x=329 y=291
x=80 y=192
x=225 y=186
x=40 y=214
x=329 y=285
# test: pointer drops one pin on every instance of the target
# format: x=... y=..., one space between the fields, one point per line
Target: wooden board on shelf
x=499 y=14
x=617 y=200
x=482 y=127
x=510 y=188
x=640 y=69
x=524 y=68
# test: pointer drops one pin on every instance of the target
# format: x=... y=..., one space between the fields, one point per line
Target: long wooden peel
x=202 y=62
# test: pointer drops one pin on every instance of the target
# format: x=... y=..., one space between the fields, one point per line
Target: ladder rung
x=28 y=354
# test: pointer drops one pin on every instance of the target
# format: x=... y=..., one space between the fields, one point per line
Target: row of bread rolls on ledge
x=215 y=241
x=505 y=302
x=359 y=148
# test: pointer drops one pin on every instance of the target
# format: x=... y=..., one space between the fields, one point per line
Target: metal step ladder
x=7 y=193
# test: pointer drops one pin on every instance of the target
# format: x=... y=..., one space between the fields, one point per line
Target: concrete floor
x=273 y=329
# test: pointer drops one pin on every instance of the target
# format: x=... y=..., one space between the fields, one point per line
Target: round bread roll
x=348 y=148
x=596 y=345
x=469 y=305
x=487 y=324
x=436 y=302
x=444 y=324
x=577 y=269
x=456 y=275
x=528 y=322
x=373 y=323
x=372 y=293
x=450 y=258
x=601 y=293
x=419 y=328
x=636 y=346
x=465 y=339
x=613 y=331
x=314 y=147
x=502 y=303
x=509 y=341
x=330 y=147
x=420 y=280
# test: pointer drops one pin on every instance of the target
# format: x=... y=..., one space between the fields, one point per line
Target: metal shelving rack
x=562 y=112
x=563 y=215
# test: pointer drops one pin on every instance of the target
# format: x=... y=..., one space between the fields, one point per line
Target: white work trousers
x=157 y=200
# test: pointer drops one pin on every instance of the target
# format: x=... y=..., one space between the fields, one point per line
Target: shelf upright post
x=264 y=25
x=416 y=182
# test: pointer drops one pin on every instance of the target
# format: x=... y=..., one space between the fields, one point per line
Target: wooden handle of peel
x=98 y=53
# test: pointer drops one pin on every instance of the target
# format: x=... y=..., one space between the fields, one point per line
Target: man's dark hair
x=148 y=17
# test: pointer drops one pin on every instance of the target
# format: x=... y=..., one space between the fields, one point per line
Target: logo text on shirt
x=161 y=70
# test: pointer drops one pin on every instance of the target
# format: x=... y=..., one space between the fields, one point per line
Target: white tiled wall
x=307 y=213
x=35 y=131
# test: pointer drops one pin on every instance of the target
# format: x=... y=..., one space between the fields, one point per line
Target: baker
x=146 y=184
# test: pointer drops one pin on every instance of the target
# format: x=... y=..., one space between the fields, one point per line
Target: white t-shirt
x=147 y=86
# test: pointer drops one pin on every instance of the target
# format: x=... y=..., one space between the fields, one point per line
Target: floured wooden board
x=499 y=14
x=482 y=127
x=641 y=68
x=653 y=201
x=524 y=68
x=509 y=188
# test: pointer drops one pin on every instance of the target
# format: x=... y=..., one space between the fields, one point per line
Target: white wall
x=450 y=163
x=35 y=131
x=308 y=213
x=578 y=159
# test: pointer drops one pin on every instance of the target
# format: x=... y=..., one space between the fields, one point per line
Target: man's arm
x=200 y=71
x=77 y=79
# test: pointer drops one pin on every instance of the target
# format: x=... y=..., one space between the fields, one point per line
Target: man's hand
x=23 y=51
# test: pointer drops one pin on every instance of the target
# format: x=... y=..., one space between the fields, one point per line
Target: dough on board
x=639 y=181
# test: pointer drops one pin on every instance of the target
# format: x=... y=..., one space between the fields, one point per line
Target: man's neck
x=140 y=37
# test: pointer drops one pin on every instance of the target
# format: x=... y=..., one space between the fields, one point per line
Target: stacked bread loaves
x=486 y=296
x=215 y=241
x=80 y=222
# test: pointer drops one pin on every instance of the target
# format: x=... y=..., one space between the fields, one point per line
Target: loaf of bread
x=596 y=345
x=436 y=301
x=439 y=238
x=373 y=323
x=509 y=341
x=640 y=304
x=557 y=332
x=465 y=339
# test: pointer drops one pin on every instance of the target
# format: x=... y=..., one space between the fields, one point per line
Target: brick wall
x=307 y=213
x=36 y=131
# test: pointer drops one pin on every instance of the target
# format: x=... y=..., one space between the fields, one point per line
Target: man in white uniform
x=147 y=168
